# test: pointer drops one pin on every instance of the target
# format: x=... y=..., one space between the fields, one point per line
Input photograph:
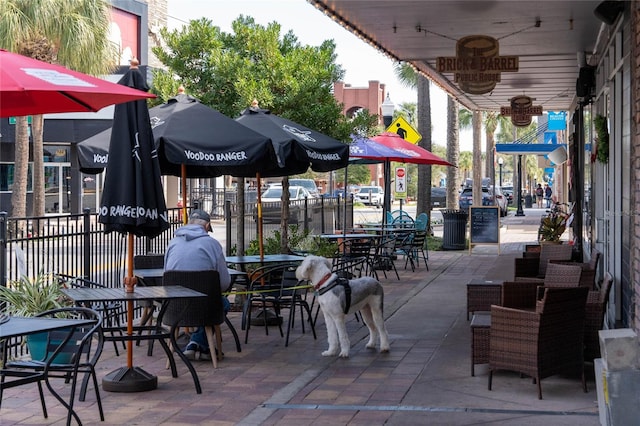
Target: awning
x=528 y=148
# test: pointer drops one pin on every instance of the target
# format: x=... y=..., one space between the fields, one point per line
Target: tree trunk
x=284 y=220
x=21 y=169
x=477 y=158
x=424 y=128
x=453 y=153
x=38 y=165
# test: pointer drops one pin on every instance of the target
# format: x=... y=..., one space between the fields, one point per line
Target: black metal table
x=23 y=326
x=267 y=258
x=130 y=378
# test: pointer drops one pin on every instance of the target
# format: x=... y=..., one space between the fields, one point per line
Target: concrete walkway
x=425 y=379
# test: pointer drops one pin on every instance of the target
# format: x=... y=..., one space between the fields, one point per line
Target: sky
x=360 y=61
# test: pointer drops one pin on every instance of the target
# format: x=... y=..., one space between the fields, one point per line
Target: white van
x=308 y=184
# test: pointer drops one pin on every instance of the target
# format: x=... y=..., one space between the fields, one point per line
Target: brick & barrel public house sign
x=477 y=65
x=521 y=110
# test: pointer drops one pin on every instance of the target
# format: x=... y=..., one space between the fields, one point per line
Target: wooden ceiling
x=550 y=38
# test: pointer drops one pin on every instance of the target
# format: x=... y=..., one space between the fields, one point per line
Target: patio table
x=134 y=379
x=23 y=326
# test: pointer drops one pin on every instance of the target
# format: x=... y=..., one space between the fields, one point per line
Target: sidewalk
x=425 y=379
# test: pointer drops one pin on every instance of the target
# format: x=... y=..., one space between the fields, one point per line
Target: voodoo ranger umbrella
x=30 y=87
x=133 y=204
x=193 y=140
x=297 y=147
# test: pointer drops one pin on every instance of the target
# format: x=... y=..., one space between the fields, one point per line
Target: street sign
x=401 y=183
x=12 y=120
x=405 y=130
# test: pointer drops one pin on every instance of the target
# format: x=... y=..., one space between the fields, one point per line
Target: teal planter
x=37 y=344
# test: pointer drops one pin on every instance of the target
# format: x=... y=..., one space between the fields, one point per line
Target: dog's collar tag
x=322 y=281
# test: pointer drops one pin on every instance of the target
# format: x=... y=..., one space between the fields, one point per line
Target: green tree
x=72 y=33
x=227 y=71
x=466 y=163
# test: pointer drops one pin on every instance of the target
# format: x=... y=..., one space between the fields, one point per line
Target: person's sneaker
x=205 y=354
x=191 y=349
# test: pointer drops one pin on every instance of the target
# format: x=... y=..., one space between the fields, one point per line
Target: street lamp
x=500 y=163
x=387 y=108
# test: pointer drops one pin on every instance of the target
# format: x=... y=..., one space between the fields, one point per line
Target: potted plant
x=602 y=133
x=27 y=297
x=552 y=227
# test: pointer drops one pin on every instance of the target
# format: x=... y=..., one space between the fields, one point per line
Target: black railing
x=75 y=244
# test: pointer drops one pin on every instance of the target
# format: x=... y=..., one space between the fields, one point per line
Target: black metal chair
x=67 y=354
x=384 y=259
x=113 y=313
x=207 y=312
x=413 y=248
x=272 y=289
x=148 y=261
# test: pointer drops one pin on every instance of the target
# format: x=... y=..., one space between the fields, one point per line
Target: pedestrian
x=193 y=249
x=539 y=195
x=547 y=195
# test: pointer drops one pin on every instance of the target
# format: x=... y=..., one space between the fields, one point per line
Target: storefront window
x=7 y=171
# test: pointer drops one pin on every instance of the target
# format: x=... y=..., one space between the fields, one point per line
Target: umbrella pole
x=183 y=182
x=129 y=378
x=260 y=241
x=344 y=207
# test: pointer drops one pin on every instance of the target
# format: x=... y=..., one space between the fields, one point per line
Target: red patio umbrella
x=30 y=87
x=415 y=154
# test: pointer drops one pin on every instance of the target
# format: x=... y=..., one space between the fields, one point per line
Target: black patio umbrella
x=298 y=146
x=188 y=133
x=132 y=203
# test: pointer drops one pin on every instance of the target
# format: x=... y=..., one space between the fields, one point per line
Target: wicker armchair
x=540 y=343
x=561 y=275
x=520 y=294
x=536 y=266
x=588 y=276
x=594 y=319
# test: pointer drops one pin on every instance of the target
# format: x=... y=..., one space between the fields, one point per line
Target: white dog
x=366 y=295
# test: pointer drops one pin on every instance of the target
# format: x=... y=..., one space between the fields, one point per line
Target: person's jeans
x=199 y=336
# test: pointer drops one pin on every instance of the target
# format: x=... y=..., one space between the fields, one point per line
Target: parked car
x=272 y=204
x=438 y=197
x=488 y=199
x=508 y=192
x=370 y=195
x=308 y=184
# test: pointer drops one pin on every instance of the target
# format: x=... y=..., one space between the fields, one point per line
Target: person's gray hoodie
x=193 y=249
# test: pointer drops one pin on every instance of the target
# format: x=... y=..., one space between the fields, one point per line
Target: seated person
x=193 y=249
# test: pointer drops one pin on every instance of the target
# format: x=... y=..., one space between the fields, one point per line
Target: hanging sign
x=401 y=183
x=477 y=65
x=557 y=120
x=521 y=110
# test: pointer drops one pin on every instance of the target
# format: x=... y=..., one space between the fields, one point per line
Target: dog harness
x=347 y=291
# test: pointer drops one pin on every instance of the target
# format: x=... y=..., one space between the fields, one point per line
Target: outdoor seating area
x=538 y=325
x=271 y=357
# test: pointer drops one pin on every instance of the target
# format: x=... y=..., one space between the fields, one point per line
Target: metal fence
x=75 y=244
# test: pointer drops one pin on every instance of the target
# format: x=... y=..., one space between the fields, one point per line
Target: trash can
x=528 y=201
x=455 y=230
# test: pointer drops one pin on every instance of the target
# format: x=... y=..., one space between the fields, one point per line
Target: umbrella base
x=126 y=379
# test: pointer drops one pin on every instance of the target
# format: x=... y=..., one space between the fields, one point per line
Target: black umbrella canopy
x=93 y=152
x=187 y=132
x=299 y=146
x=132 y=199
x=208 y=142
